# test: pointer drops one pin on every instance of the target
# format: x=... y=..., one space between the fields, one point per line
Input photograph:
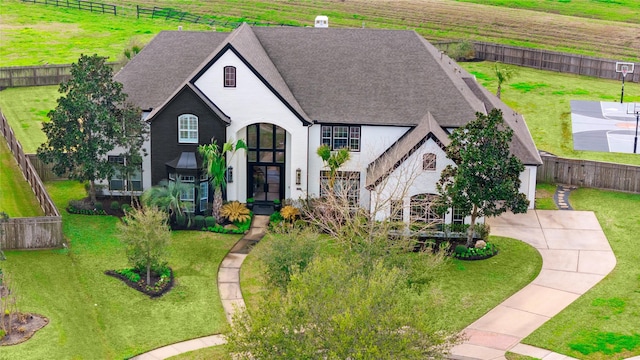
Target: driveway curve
x=576 y=255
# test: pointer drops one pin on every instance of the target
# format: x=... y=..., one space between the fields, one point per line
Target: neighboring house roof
x=386 y=163
x=351 y=76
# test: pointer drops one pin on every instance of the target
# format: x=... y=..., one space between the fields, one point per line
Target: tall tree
x=146 y=236
x=215 y=164
x=85 y=125
x=486 y=178
x=135 y=132
x=503 y=74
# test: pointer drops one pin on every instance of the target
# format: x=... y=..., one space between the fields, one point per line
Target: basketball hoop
x=624 y=68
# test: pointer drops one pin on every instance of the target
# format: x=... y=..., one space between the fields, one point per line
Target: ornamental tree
x=87 y=123
x=146 y=235
x=215 y=164
x=486 y=178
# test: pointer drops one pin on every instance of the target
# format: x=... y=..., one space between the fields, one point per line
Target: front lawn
x=95 y=316
x=463 y=290
x=603 y=323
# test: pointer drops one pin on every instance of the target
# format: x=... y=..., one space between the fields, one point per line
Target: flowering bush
x=464 y=253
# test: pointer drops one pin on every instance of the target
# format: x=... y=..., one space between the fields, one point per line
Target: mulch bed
x=24 y=325
x=153 y=291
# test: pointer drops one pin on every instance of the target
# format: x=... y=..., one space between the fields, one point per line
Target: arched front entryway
x=266 y=150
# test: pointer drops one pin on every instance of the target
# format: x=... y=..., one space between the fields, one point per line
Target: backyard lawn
x=95 y=316
x=16 y=197
x=543 y=98
x=603 y=323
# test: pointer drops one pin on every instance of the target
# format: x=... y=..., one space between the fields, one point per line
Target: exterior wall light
x=230 y=174
x=298 y=176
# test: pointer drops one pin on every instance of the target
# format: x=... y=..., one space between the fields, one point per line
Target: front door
x=265 y=161
x=265 y=182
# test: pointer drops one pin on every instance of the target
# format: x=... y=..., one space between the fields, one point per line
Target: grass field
x=544 y=197
x=613 y=10
x=35 y=34
x=16 y=197
x=543 y=98
x=26 y=109
x=603 y=323
x=94 y=316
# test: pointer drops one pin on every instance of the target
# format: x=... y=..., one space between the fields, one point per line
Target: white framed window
x=347 y=184
x=188 y=129
x=457 y=216
x=119 y=182
x=429 y=162
x=423 y=209
x=204 y=192
x=396 y=210
x=341 y=136
x=229 y=76
x=188 y=197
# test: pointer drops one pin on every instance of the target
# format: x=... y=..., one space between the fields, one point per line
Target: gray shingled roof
x=359 y=76
x=364 y=76
x=163 y=64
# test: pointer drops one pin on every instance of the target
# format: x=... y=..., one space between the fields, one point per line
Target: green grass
x=543 y=97
x=37 y=34
x=94 y=316
x=603 y=323
x=16 y=197
x=544 y=197
x=42 y=34
x=513 y=356
x=462 y=290
x=26 y=109
x=220 y=352
x=613 y=10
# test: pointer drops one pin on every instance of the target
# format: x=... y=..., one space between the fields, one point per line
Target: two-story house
x=388 y=96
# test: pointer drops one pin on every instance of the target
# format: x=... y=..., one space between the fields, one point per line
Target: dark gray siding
x=164 y=131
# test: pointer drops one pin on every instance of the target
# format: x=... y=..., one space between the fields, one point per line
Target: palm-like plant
x=215 y=164
x=333 y=160
x=503 y=74
x=166 y=196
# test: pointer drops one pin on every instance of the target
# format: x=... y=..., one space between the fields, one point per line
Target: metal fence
x=37 y=232
x=586 y=173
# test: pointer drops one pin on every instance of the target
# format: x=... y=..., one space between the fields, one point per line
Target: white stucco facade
x=251 y=102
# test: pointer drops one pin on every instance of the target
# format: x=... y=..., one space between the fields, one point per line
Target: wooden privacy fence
x=588 y=173
x=554 y=61
x=15 y=76
x=30 y=233
x=80 y=5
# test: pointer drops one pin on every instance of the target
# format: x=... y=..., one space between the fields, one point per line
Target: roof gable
x=402 y=149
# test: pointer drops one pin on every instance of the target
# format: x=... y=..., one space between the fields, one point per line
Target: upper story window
x=429 y=161
x=341 y=136
x=230 y=76
x=188 y=129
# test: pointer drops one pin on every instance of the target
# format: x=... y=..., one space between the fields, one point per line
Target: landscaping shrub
x=235 y=211
x=290 y=213
x=181 y=220
x=474 y=253
x=483 y=231
x=287 y=253
x=199 y=221
x=126 y=208
x=210 y=221
x=98 y=206
x=115 y=205
x=83 y=207
x=275 y=219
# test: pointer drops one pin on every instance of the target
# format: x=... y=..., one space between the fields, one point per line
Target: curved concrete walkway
x=576 y=255
x=229 y=289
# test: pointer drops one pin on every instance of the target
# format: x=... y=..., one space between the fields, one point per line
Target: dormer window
x=188 y=129
x=229 y=76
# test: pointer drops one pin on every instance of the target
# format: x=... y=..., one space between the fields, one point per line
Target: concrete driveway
x=576 y=255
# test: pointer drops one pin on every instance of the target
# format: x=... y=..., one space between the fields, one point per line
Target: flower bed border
x=141 y=285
